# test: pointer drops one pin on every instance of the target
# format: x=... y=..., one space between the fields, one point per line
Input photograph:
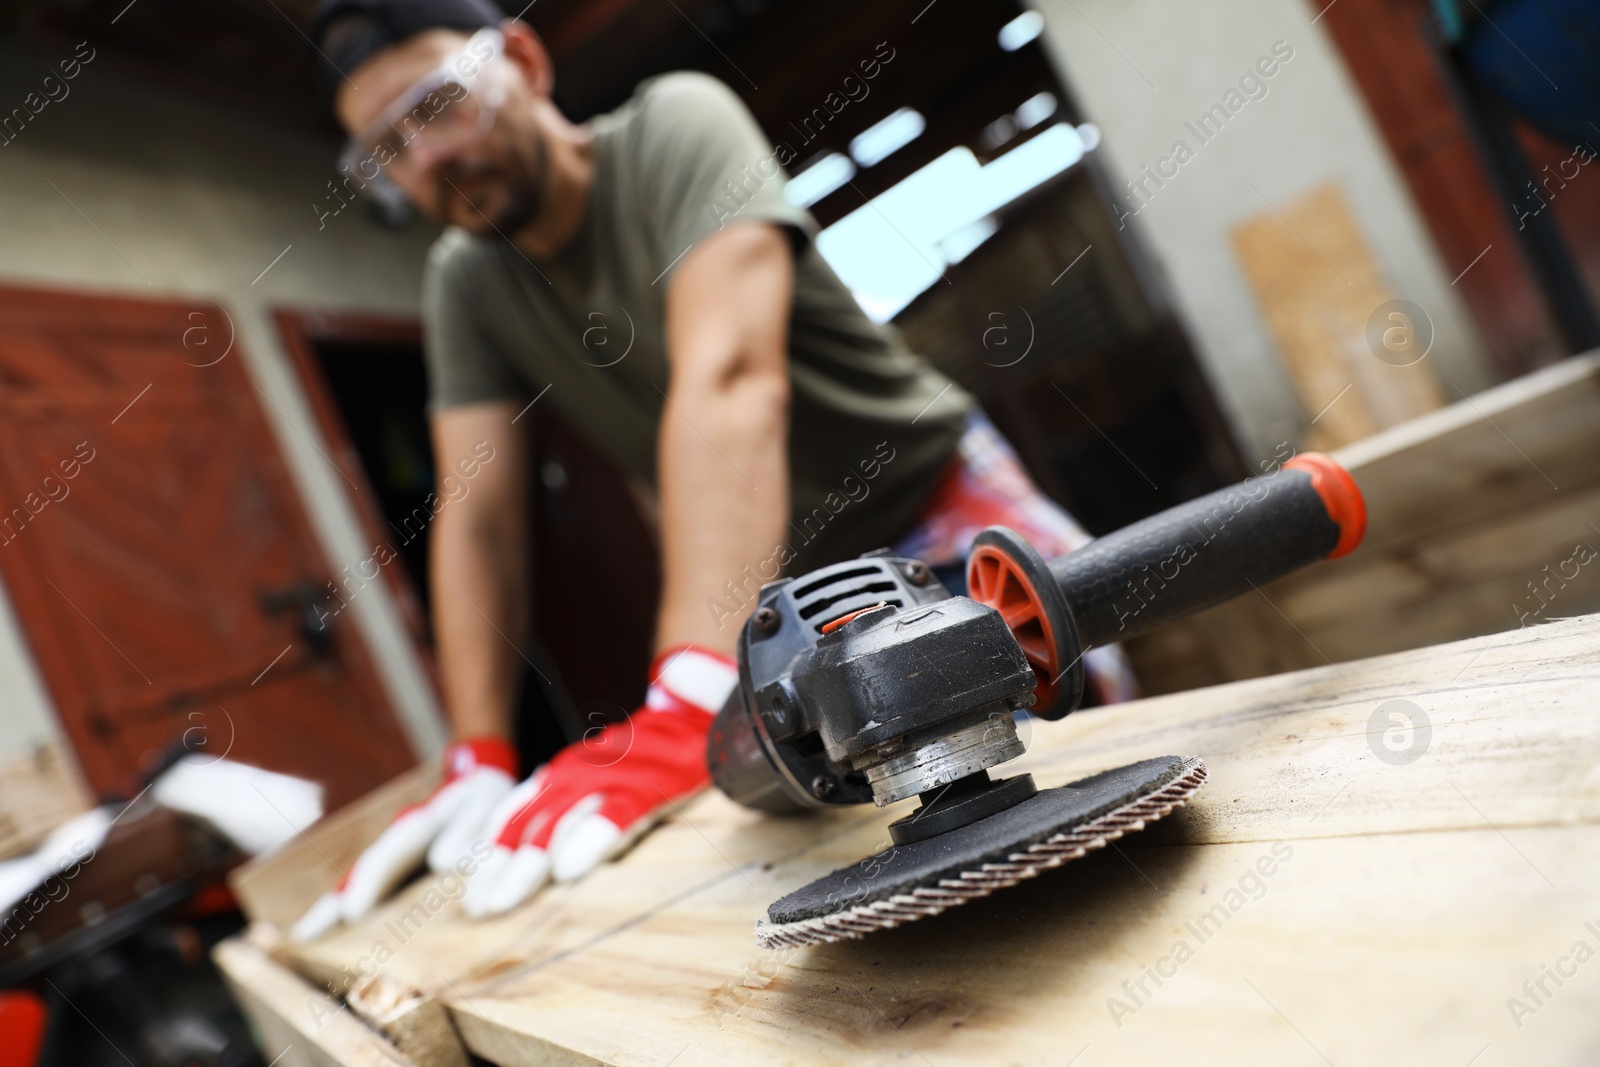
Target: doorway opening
x=593 y=566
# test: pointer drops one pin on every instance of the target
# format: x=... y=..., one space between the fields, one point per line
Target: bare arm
x=724 y=468
x=478 y=570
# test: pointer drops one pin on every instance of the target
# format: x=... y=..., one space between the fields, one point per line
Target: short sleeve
x=706 y=165
x=464 y=365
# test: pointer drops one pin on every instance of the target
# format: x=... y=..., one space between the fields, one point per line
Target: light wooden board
x=1317 y=284
x=1412 y=903
x=1467 y=506
x=1399 y=949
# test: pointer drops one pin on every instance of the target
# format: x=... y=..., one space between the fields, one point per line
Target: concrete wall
x=197 y=202
x=1141 y=69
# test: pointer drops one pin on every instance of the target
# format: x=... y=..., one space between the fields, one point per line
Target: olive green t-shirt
x=872 y=425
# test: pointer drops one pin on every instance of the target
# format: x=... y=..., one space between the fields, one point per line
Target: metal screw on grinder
x=767 y=620
x=822 y=787
x=918 y=572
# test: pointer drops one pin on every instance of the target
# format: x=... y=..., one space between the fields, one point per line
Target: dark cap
x=347 y=33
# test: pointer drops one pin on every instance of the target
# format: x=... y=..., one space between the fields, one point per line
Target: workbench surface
x=1343 y=890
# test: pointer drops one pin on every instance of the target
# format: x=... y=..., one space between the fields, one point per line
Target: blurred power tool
x=867 y=680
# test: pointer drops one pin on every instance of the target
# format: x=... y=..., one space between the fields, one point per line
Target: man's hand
x=444 y=827
x=598 y=795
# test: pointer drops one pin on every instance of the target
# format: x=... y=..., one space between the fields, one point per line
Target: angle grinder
x=868 y=681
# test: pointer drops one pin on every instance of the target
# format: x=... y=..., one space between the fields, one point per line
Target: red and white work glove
x=599 y=795
x=478 y=774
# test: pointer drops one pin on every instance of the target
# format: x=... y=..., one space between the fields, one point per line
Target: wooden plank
x=1414 y=900
x=1467 y=505
x=419 y=939
x=1027 y=978
x=298 y=1025
x=39 y=791
x=278 y=887
x=1417 y=974
x=1317 y=284
x=1518 y=442
x=414 y=1022
x=275 y=889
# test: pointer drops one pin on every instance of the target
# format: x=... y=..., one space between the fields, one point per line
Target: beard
x=521 y=176
x=523 y=204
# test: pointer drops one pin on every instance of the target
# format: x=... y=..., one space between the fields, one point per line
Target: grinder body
x=867 y=681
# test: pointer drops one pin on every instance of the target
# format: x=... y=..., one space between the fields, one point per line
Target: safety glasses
x=454 y=103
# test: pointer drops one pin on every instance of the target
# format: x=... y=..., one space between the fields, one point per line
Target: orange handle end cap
x=1340 y=496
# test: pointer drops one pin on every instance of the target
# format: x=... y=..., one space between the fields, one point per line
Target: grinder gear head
x=864 y=681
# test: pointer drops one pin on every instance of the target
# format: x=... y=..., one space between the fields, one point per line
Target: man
x=778 y=426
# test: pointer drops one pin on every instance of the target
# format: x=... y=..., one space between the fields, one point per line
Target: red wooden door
x=157 y=553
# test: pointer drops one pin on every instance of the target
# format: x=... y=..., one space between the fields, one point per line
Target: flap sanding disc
x=914 y=881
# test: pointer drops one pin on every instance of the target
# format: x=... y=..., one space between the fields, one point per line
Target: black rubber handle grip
x=1211 y=549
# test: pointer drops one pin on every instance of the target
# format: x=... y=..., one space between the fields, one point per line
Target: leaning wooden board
x=1473 y=507
x=1316 y=903
x=39 y=790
